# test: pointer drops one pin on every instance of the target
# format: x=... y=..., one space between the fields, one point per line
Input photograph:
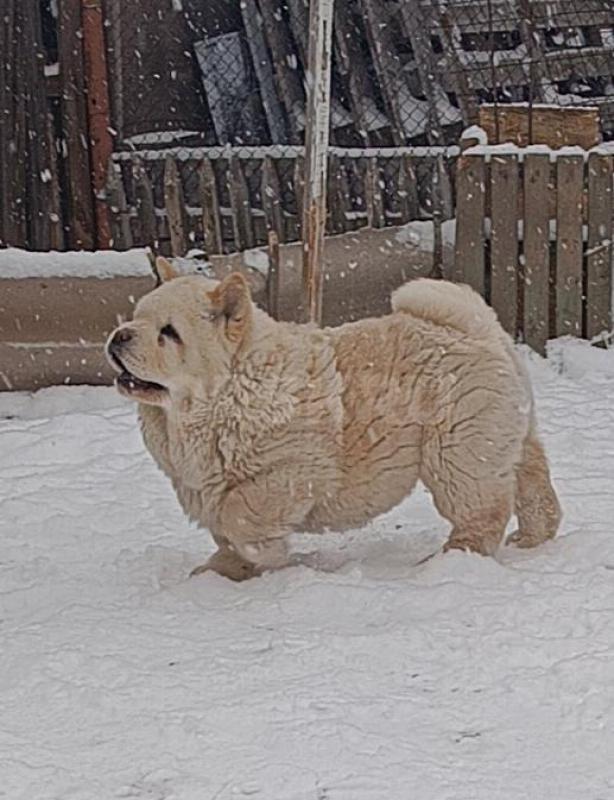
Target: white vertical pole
x=316 y=153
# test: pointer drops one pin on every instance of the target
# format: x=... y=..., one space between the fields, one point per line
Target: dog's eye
x=170 y=333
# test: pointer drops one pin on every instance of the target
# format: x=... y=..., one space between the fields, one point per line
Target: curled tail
x=454 y=305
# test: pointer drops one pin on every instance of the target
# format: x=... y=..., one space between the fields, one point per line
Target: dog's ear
x=233 y=300
x=166 y=271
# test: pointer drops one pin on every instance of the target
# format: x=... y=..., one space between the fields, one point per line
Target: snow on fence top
x=290 y=151
x=509 y=148
x=15 y=263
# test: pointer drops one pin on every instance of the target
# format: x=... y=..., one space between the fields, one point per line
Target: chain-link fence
x=405 y=72
x=208 y=98
x=226 y=80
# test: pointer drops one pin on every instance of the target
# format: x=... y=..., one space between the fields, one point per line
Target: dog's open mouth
x=129 y=383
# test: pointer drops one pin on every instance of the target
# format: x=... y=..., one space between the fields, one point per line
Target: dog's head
x=183 y=337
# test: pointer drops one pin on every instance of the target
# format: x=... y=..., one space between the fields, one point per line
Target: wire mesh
x=192 y=79
x=405 y=72
x=224 y=81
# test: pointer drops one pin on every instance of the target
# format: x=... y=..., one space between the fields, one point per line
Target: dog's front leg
x=256 y=517
x=228 y=563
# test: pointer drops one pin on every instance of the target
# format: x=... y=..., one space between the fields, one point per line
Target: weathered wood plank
x=536 y=303
x=74 y=123
x=271 y=199
x=569 y=189
x=504 y=180
x=57 y=239
x=414 y=19
x=553 y=14
x=264 y=70
x=387 y=66
x=469 y=263
x=144 y=203
x=39 y=175
x=339 y=195
x=298 y=13
x=373 y=194
x=240 y=204
x=288 y=82
x=100 y=139
x=120 y=216
x=555 y=127
x=175 y=208
x=455 y=78
x=12 y=131
x=599 y=253
x=212 y=221
x=299 y=191
x=273 y=275
x=352 y=67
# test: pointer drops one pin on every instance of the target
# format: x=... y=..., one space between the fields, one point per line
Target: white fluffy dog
x=265 y=428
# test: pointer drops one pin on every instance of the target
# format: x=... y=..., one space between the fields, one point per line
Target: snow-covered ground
x=461 y=678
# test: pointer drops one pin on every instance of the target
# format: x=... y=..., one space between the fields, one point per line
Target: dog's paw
x=525 y=540
x=228 y=565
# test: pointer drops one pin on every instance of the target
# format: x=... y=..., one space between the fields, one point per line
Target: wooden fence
x=227 y=200
x=534 y=237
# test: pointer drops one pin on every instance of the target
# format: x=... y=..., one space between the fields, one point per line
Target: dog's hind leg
x=479 y=514
x=473 y=488
x=537 y=506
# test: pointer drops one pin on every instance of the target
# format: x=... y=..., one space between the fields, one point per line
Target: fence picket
x=271 y=199
x=469 y=262
x=212 y=221
x=338 y=194
x=599 y=253
x=118 y=206
x=175 y=208
x=240 y=205
x=299 y=191
x=504 y=240
x=536 y=284
x=373 y=194
x=409 y=205
x=145 y=208
x=569 y=188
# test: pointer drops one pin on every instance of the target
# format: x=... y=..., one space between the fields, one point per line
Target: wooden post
x=144 y=202
x=316 y=152
x=75 y=126
x=569 y=190
x=240 y=205
x=271 y=199
x=212 y=220
x=272 y=278
x=409 y=205
x=504 y=240
x=119 y=216
x=537 y=189
x=175 y=208
x=99 y=113
x=469 y=265
x=599 y=254
x=373 y=194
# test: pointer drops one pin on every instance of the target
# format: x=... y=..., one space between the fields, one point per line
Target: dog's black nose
x=121 y=337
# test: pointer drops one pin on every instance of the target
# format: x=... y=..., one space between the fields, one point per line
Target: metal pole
x=316 y=154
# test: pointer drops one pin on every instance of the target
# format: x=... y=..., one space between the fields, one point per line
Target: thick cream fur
x=269 y=428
